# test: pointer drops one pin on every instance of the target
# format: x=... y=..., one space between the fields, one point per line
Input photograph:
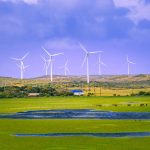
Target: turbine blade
x=103 y=64
x=46 y=51
x=18 y=66
x=131 y=62
x=25 y=67
x=66 y=62
x=67 y=70
x=95 y=52
x=84 y=60
x=43 y=59
x=16 y=59
x=25 y=56
x=57 y=54
x=127 y=58
x=50 y=61
x=83 y=48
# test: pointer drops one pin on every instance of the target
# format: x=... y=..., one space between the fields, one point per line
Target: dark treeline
x=24 y=91
x=64 y=88
x=141 y=93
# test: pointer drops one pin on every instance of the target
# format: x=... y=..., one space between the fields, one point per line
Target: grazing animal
x=141 y=105
x=115 y=105
x=99 y=105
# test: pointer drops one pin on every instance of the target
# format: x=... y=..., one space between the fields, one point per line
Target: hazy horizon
x=48 y=76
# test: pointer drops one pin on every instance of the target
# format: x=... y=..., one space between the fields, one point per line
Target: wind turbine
x=100 y=63
x=66 y=70
x=21 y=65
x=129 y=62
x=51 y=60
x=46 y=65
x=86 y=59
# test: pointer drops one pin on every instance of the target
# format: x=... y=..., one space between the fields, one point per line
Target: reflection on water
x=107 y=135
x=76 y=114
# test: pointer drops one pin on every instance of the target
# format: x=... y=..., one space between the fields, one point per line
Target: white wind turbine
x=21 y=65
x=51 y=60
x=100 y=63
x=86 y=59
x=129 y=62
x=46 y=65
x=65 y=67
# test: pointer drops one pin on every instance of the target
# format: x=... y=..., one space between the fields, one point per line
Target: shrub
x=141 y=93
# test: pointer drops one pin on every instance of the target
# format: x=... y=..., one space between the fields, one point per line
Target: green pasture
x=130 y=104
x=9 y=127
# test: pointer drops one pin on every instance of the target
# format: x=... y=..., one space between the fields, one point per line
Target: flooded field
x=104 y=135
x=76 y=114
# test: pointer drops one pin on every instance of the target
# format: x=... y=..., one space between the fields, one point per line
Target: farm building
x=33 y=94
x=77 y=92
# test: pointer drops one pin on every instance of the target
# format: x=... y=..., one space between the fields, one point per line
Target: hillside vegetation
x=99 y=85
x=105 y=81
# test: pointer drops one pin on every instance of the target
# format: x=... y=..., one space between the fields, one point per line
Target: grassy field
x=107 y=103
x=9 y=127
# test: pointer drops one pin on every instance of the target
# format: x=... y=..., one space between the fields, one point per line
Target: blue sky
x=117 y=27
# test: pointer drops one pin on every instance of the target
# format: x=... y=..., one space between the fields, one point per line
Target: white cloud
x=25 y=1
x=31 y=1
x=138 y=9
x=61 y=44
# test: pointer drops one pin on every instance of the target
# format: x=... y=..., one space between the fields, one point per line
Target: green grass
x=64 y=125
x=74 y=143
x=25 y=104
x=9 y=127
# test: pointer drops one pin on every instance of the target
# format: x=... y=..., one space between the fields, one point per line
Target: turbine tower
x=46 y=65
x=21 y=65
x=100 y=63
x=51 y=60
x=86 y=59
x=129 y=62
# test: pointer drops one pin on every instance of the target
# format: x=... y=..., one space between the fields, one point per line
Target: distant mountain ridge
x=142 y=79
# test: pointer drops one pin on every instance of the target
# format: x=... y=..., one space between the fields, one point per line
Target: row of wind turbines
x=48 y=63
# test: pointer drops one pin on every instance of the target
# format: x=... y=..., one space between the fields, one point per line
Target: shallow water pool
x=107 y=135
x=76 y=114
